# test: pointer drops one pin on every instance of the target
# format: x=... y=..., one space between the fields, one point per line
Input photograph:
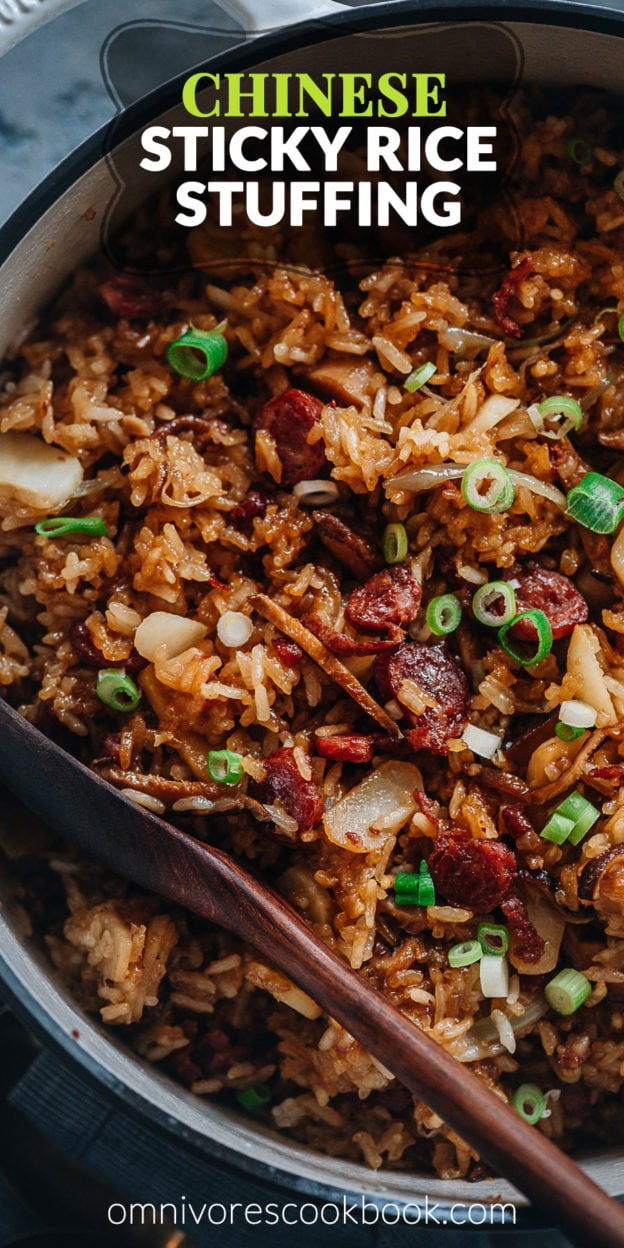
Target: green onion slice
x=426 y=887
x=443 y=614
x=582 y=813
x=579 y=151
x=564 y=414
x=465 y=954
x=117 y=690
x=567 y=992
x=395 y=543
x=407 y=882
x=487 y=486
x=493 y=938
x=571 y=820
x=198 y=354
x=224 y=766
x=254 y=1098
x=419 y=377
x=544 y=638
x=566 y=732
x=618 y=184
x=500 y=593
x=621 y=328
x=557 y=829
x=597 y=503
x=60 y=526
x=529 y=1102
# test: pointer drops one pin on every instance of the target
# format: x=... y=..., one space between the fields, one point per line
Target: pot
x=562 y=43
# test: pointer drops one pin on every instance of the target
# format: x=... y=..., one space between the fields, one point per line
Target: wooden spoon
x=155 y=855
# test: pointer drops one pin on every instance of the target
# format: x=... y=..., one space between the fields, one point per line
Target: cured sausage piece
x=343 y=646
x=529 y=944
x=505 y=295
x=389 y=600
x=289 y=418
x=131 y=296
x=515 y=821
x=555 y=595
x=438 y=674
x=84 y=646
x=288 y=652
x=284 y=783
x=474 y=874
x=354 y=748
x=350 y=549
x=243 y=516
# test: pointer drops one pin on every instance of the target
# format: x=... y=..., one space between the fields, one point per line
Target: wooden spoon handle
x=157 y=856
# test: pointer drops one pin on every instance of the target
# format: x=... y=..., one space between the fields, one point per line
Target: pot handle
x=19 y=18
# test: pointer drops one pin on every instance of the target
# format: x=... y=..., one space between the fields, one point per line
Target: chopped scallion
x=579 y=151
x=443 y=614
x=117 y=690
x=571 y=820
x=529 y=1102
x=578 y=714
x=419 y=377
x=567 y=992
x=544 y=638
x=597 y=503
x=224 y=766
x=254 y=1098
x=62 y=526
x=487 y=486
x=566 y=732
x=426 y=888
x=563 y=413
x=395 y=543
x=557 y=829
x=493 y=938
x=465 y=954
x=198 y=354
x=494 y=975
x=584 y=815
x=494 y=604
x=411 y=889
x=406 y=888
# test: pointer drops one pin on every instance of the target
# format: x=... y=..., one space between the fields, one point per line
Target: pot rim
x=570 y=14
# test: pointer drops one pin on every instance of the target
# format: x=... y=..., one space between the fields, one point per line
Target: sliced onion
x=481 y=742
x=584 y=664
x=463 y=341
x=495 y=409
x=435 y=474
x=548 y=923
x=234 y=629
x=316 y=493
x=483 y=1040
x=475 y=576
x=578 y=714
x=163 y=635
x=494 y=975
x=539 y=487
x=375 y=809
x=425 y=478
x=34 y=475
